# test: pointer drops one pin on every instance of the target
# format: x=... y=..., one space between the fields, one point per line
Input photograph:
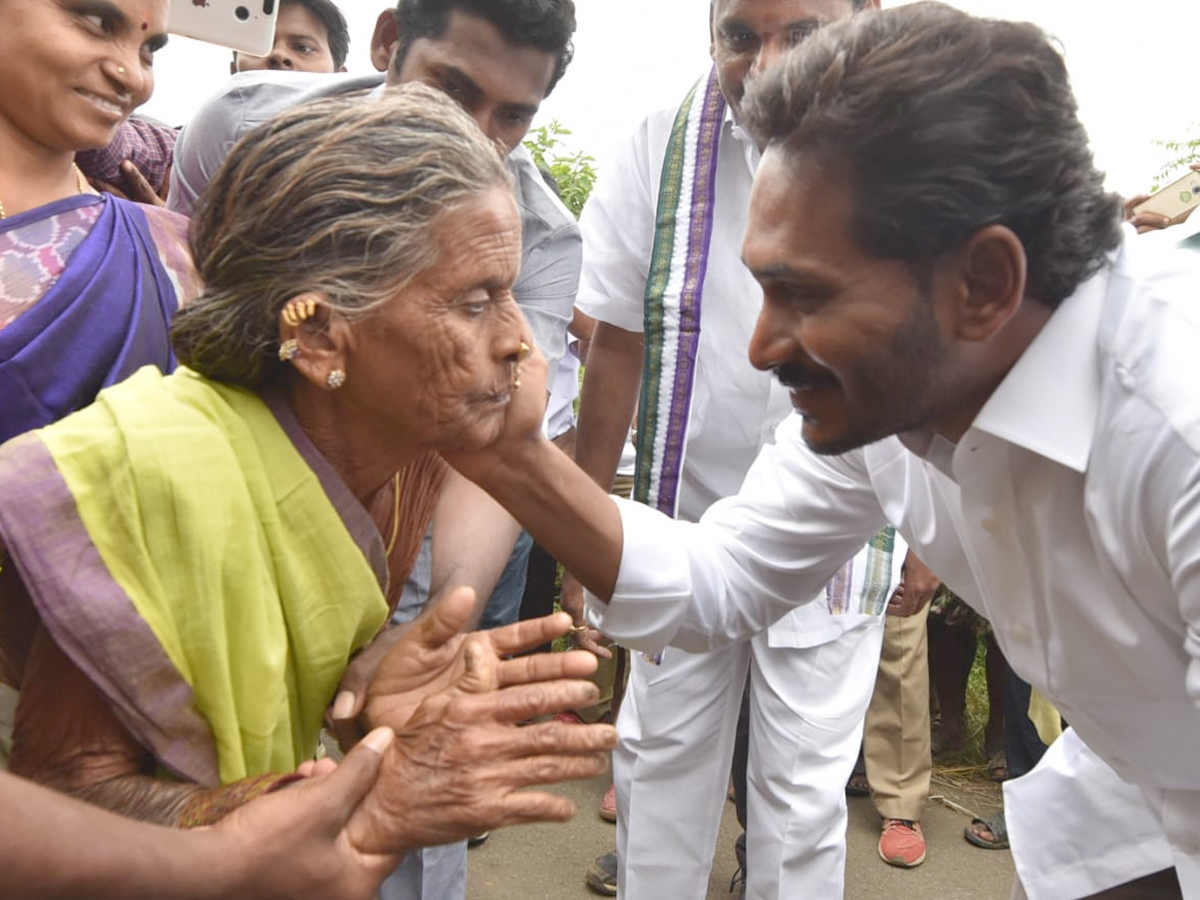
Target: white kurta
x=1068 y=515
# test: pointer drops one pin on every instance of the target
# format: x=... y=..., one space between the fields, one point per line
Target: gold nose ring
x=120 y=70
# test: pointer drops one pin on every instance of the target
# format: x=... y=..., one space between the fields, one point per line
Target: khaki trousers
x=896 y=738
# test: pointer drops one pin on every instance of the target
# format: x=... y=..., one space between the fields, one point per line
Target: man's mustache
x=797 y=378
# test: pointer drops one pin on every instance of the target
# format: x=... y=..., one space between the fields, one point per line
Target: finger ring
x=579 y=629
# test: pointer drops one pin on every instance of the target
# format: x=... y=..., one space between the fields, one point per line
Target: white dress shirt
x=1068 y=515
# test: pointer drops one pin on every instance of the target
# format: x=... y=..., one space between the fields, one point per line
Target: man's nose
x=768 y=54
x=770 y=341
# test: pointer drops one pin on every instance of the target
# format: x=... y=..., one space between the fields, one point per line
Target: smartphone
x=1175 y=200
x=245 y=25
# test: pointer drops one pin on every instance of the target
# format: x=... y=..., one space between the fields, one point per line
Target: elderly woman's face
x=73 y=70
x=437 y=362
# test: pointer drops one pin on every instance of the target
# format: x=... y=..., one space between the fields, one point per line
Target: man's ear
x=323 y=339
x=384 y=40
x=991 y=270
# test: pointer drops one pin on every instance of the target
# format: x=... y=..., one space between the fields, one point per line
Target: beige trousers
x=896 y=737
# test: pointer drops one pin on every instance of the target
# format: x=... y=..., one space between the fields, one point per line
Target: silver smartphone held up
x=1176 y=200
x=244 y=25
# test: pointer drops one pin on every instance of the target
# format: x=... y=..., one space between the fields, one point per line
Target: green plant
x=1181 y=152
x=574 y=171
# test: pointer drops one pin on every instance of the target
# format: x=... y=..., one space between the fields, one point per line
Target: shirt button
x=1020 y=633
x=991 y=525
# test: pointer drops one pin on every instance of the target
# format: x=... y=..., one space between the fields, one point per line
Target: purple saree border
x=353 y=514
x=39 y=511
x=712 y=119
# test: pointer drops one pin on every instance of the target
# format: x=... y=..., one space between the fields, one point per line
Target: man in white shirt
x=979 y=353
x=812 y=673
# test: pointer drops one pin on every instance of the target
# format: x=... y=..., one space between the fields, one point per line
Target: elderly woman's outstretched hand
x=461 y=756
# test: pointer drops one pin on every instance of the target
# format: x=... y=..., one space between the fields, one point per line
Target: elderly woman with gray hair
x=188 y=565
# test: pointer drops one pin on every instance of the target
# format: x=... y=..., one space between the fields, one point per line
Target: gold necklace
x=80 y=183
x=396 y=485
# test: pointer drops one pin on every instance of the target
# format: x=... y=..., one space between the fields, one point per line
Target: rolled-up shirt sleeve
x=751 y=558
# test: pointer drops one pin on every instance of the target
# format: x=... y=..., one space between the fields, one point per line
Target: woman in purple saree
x=88 y=284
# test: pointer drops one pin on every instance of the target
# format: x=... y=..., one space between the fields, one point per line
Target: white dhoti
x=671 y=768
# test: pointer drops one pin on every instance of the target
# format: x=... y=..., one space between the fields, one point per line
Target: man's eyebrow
x=727 y=25
x=525 y=109
x=784 y=272
x=810 y=23
x=448 y=70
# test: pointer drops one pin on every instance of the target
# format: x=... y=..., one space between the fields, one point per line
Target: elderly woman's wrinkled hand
x=461 y=756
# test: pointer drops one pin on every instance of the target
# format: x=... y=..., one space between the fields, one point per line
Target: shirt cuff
x=653 y=589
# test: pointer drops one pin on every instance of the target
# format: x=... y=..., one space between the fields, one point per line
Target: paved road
x=547 y=862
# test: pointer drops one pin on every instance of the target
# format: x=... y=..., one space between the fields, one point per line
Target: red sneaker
x=608 y=806
x=901 y=843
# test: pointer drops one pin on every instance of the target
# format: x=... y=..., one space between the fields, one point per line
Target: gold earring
x=299 y=309
x=289 y=350
x=522 y=355
x=335 y=379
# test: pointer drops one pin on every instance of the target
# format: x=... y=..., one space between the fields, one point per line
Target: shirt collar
x=748 y=145
x=1049 y=401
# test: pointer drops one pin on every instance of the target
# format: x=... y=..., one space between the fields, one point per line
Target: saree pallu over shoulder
x=102 y=318
x=183 y=554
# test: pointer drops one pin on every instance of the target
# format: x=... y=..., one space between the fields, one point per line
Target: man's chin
x=829 y=442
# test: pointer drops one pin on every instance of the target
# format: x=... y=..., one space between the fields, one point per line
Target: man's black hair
x=545 y=24
x=945 y=124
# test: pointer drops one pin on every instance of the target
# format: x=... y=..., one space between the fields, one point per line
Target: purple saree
x=94 y=282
